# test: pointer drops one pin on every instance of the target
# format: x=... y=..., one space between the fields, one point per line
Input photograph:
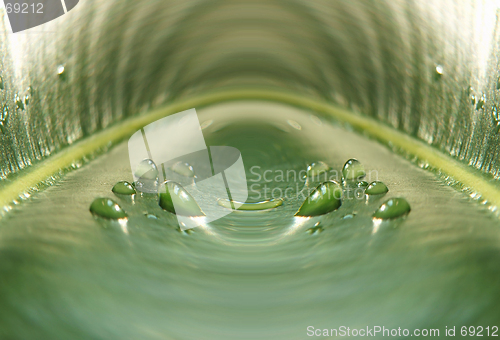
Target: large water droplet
x=183 y=169
x=107 y=208
x=147 y=177
x=175 y=199
x=353 y=170
x=325 y=198
x=393 y=208
x=376 y=188
x=317 y=168
x=123 y=188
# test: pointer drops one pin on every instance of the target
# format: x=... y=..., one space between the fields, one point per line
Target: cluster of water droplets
x=323 y=199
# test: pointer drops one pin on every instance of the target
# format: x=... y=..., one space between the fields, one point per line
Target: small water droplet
x=362 y=184
x=392 y=208
x=107 y=208
x=3 y=117
x=471 y=94
x=376 y=188
x=317 y=168
x=496 y=117
x=325 y=198
x=60 y=70
x=147 y=177
x=257 y=206
x=315 y=230
x=353 y=170
x=348 y=216
x=19 y=102
x=2 y=86
x=123 y=188
x=183 y=169
x=206 y=124
x=438 y=71
x=316 y=120
x=175 y=199
x=151 y=216
x=294 y=124
x=186 y=231
x=498 y=83
x=480 y=103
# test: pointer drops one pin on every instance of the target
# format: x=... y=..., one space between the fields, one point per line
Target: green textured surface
x=251 y=275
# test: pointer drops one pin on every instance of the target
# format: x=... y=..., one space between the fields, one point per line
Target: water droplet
x=392 y=208
x=123 y=188
x=186 y=231
x=60 y=71
x=353 y=170
x=183 y=169
x=498 y=83
x=317 y=168
x=175 y=199
x=294 y=124
x=19 y=102
x=258 y=206
x=147 y=177
x=376 y=188
x=107 y=208
x=3 y=117
x=325 y=198
x=1 y=83
x=362 y=184
x=496 y=117
x=470 y=92
x=315 y=230
x=151 y=216
x=481 y=102
x=348 y=216
x=206 y=124
x=26 y=100
x=438 y=72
